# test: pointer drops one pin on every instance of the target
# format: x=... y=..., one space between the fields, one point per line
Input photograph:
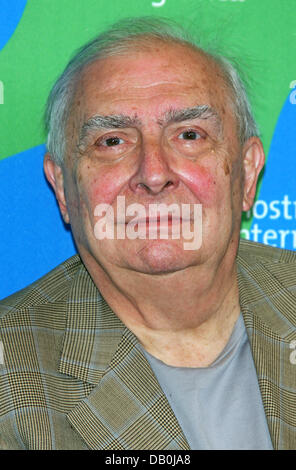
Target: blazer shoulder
x=50 y=288
x=255 y=253
x=266 y=271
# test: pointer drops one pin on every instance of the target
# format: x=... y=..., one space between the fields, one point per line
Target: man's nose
x=154 y=173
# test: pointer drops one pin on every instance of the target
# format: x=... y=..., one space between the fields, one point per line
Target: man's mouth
x=159 y=220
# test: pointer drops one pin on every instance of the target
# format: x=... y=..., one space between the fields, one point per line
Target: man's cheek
x=203 y=183
x=103 y=190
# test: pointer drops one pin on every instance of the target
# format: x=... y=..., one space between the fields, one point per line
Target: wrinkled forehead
x=161 y=72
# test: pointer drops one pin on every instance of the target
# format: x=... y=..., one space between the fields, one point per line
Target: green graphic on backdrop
x=260 y=32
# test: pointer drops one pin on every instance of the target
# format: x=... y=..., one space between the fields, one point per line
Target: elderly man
x=142 y=341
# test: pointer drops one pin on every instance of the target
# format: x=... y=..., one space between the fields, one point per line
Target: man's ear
x=54 y=175
x=253 y=162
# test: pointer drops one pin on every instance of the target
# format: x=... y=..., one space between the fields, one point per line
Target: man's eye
x=189 y=135
x=111 y=141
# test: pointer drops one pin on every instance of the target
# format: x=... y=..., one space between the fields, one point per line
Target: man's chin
x=161 y=257
x=142 y=256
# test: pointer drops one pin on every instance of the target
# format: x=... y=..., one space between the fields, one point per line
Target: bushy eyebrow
x=197 y=112
x=122 y=121
x=106 y=122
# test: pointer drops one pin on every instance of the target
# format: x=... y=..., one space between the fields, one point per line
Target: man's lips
x=146 y=221
x=153 y=216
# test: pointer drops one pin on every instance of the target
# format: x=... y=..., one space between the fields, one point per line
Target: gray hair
x=135 y=33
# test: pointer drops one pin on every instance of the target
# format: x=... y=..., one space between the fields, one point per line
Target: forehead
x=153 y=80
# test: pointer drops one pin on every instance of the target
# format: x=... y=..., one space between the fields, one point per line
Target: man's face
x=150 y=145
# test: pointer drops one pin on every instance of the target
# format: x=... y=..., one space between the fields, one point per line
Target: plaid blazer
x=72 y=377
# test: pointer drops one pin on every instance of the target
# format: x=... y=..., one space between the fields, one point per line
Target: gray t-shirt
x=220 y=406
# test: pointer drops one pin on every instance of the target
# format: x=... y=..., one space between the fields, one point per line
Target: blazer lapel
x=267 y=306
x=127 y=409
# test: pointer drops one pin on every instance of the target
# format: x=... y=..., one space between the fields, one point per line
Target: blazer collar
x=267 y=287
x=268 y=304
x=92 y=331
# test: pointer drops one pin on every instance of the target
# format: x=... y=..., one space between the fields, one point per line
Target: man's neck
x=185 y=318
